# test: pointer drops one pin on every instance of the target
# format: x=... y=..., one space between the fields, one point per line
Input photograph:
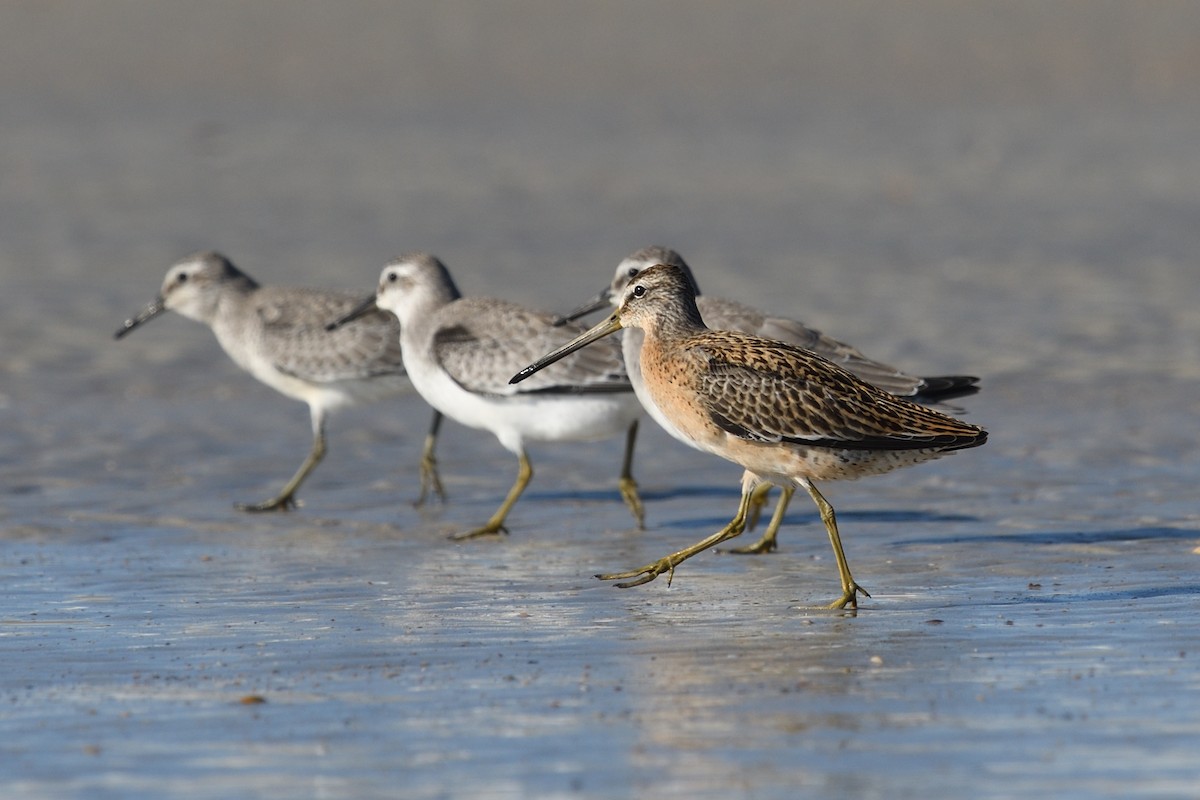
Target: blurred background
x=856 y=148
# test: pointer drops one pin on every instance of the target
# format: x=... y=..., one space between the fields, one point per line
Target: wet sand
x=1005 y=191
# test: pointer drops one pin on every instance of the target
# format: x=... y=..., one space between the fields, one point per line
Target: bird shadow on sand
x=1067 y=537
x=801 y=513
x=1140 y=586
x=1115 y=595
x=720 y=494
x=723 y=501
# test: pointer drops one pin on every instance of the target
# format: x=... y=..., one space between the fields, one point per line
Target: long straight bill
x=360 y=310
x=145 y=315
x=599 y=331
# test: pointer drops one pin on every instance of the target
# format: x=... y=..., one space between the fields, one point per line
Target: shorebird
x=460 y=351
x=720 y=314
x=278 y=335
x=782 y=413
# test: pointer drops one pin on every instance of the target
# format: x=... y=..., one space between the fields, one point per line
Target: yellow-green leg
x=496 y=523
x=668 y=563
x=850 y=589
x=430 y=480
x=768 y=541
x=286 y=499
x=629 y=487
x=757 y=503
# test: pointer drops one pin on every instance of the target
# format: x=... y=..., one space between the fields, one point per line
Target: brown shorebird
x=720 y=314
x=781 y=412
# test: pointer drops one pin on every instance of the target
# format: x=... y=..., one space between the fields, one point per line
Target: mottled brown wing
x=728 y=315
x=770 y=391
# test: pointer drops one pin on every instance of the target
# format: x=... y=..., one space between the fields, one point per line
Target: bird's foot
x=285 y=502
x=644 y=574
x=766 y=544
x=849 y=598
x=490 y=529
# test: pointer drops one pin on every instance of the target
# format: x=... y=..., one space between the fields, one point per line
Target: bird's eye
x=639 y=291
x=392 y=277
x=633 y=271
x=183 y=276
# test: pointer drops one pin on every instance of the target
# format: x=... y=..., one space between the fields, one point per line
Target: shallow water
x=1032 y=626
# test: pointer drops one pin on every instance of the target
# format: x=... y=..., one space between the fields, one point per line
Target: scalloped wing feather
x=773 y=392
x=294 y=336
x=484 y=342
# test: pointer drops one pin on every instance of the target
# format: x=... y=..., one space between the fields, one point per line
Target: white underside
x=517 y=419
x=322 y=398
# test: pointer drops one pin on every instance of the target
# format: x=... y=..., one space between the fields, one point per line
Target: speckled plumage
x=477 y=339
x=721 y=314
x=783 y=413
x=460 y=353
x=278 y=335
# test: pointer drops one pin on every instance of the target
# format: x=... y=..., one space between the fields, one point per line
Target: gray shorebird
x=278 y=335
x=460 y=351
x=782 y=413
x=720 y=314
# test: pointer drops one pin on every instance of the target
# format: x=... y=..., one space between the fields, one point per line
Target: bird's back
x=481 y=342
x=765 y=390
x=282 y=330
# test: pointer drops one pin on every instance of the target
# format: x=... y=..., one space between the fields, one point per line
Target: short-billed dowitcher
x=720 y=314
x=278 y=335
x=779 y=411
x=460 y=351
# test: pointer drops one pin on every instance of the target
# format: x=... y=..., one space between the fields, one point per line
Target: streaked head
x=661 y=294
x=638 y=262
